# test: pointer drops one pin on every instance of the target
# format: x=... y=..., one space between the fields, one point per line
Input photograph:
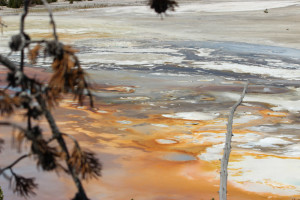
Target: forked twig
x=14 y=163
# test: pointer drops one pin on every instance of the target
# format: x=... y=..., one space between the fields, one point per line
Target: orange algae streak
x=143 y=171
x=269 y=113
x=73 y=36
x=133 y=159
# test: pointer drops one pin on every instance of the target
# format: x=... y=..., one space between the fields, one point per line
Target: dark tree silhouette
x=161 y=6
x=37 y=99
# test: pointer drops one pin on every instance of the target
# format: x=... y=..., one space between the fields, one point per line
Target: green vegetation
x=1 y=194
x=14 y=3
x=19 y=3
x=3 y=3
x=39 y=2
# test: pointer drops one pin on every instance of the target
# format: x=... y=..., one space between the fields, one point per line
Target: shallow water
x=178 y=157
x=163 y=112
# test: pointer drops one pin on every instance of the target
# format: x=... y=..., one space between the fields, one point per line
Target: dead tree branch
x=7 y=63
x=22 y=33
x=14 y=163
x=54 y=128
x=1 y=26
x=21 y=185
x=37 y=99
x=58 y=135
x=227 y=149
x=52 y=22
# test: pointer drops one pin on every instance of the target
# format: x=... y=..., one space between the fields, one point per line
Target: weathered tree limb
x=14 y=163
x=1 y=26
x=8 y=63
x=3 y=123
x=58 y=135
x=24 y=14
x=52 y=22
x=55 y=131
x=34 y=97
x=227 y=149
x=22 y=27
x=86 y=85
x=54 y=128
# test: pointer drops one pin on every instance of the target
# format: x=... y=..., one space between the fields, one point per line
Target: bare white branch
x=227 y=149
